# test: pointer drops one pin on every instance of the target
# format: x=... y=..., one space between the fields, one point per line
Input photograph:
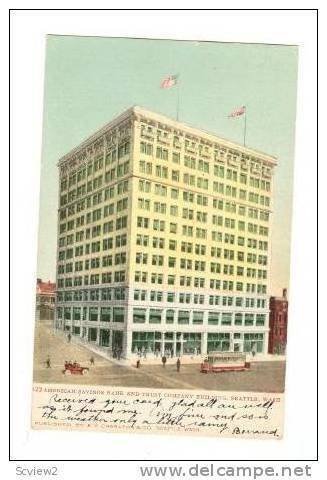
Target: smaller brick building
x=278 y=324
x=45 y=299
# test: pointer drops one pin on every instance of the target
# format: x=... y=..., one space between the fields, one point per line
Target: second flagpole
x=178 y=98
x=244 y=132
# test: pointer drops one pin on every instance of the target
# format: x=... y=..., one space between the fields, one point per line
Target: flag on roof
x=238 y=112
x=169 y=81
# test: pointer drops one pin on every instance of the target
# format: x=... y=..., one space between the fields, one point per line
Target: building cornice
x=96 y=141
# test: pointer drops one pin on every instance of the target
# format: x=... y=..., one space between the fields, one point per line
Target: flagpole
x=244 y=133
x=177 y=106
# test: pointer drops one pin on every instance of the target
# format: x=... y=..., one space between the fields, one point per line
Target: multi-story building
x=45 y=300
x=164 y=239
x=278 y=324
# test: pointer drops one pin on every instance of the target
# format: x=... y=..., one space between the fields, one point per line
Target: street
x=262 y=376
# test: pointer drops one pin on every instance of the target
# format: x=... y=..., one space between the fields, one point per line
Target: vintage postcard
x=164 y=244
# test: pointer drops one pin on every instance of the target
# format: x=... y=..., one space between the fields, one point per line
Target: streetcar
x=224 y=362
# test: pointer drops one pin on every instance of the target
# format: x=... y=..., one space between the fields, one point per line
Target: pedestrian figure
x=253 y=352
x=164 y=360
x=138 y=363
x=92 y=360
x=119 y=353
x=69 y=337
x=178 y=364
x=48 y=362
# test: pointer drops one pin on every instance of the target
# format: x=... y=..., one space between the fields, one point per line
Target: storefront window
x=253 y=342
x=104 y=337
x=146 y=342
x=218 y=342
x=93 y=334
x=192 y=343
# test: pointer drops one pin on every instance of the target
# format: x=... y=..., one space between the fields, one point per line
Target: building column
x=162 y=344
x=174 y=344
x=204 y=343
x=110 y=341
x=265 y=343
x=98 y=336
x=182 y=344
x=127 y=343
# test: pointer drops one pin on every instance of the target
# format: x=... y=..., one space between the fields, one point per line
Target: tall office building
x=164 y=239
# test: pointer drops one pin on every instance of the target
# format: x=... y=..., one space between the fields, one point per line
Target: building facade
x=164 y=239
x=278 y=324
x=45 y=300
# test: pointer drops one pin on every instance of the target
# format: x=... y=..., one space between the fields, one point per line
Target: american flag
x=238 y=112
x=169 y=81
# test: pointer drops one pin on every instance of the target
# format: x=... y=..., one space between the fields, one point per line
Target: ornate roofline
x=139 y=112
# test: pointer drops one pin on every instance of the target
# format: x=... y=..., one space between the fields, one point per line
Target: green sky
x=89 y=80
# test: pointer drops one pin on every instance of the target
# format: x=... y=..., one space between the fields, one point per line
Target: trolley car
x=224 y=362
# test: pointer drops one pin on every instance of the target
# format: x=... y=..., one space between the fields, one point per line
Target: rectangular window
x=93 y=314
x=197 y=318
x=155 y=315
x=118 y=314
x=226 y=318
x=105 y=314
x=213 y=318
x=170 y=316
x=139 y=315
x=183 y=317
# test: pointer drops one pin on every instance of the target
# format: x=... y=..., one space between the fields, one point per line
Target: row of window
x=200 y=249
x=201 y=165
x=106 y=193
x=96 y=214
x=155 y=316
x=186 y=317
x=93 y=295
x=173 y=297
x=120 y=293
x=222 y=188
x=199 y=282
x=191 y=214
x=94 y=279
x=118 y=223
x=96 y=165
x=216 y=252
x=191 y=231
x=92 y=314
x=199 y=266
